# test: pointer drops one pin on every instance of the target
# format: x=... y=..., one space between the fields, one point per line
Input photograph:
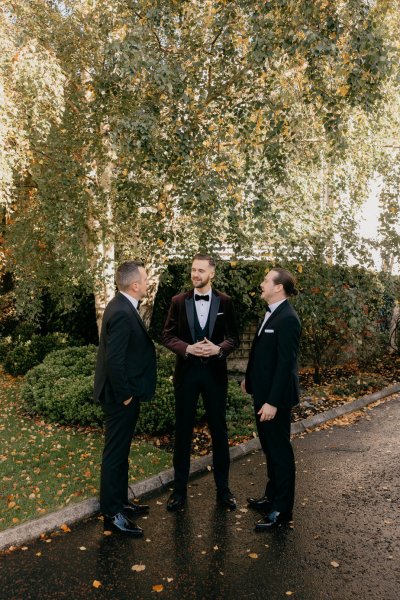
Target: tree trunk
x=154 y=272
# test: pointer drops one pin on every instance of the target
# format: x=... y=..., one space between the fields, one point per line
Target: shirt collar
x=275 y=305
x=131 y=299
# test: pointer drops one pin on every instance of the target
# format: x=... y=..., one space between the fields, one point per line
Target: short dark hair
x=284 y=277
x=127 y=273
x=207 y=257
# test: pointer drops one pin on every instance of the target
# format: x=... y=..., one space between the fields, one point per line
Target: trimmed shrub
x=61 y=390
x=21 y=355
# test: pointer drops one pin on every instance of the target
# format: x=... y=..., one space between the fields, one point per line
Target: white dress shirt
x=203 y=308
x=269 y=312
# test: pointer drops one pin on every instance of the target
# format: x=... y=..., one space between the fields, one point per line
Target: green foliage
x=345 y=311
x=20 y=355
x=359 y=385
x=61 y=388
x=193 y=123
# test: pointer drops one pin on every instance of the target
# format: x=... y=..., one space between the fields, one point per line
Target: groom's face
x=202 y=274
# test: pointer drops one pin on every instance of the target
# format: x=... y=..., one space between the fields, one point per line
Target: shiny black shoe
x=227 y=499
x=120 y=523
x=262 y=503
x=176 y=501
x=273 y=519
x=134 y=508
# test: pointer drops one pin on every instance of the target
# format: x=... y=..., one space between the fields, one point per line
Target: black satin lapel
x=189 y=304
x=215 y=302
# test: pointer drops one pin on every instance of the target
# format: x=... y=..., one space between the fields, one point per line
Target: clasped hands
x=203 y=348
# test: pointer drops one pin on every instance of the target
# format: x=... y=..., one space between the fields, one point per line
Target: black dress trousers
x=200 y=379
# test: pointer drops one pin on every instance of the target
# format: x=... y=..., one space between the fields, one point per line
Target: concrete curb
x=26 y=532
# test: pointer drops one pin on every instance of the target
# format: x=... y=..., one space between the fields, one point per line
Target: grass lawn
x=44 y=466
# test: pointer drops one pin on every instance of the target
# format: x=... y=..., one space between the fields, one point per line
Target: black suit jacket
x=179 y=330
x=126 y=359
x=272 y=371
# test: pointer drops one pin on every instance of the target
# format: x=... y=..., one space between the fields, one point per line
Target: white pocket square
x=269 y=330
x=218 y=314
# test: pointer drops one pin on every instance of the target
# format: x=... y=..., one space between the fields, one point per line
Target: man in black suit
x=272 y=379
x=125 y=376
x=201 y=330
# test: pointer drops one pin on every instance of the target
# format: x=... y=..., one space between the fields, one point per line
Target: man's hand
x=243 y=386
x=196 y=349
x=267 y=412
x=210 y=349
x=126 y=402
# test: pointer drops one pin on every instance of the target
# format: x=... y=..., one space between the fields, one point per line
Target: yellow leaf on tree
x=343 y=90
x=300 y=268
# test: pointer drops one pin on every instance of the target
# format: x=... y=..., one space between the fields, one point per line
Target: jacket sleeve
x=231 y=341
x=118 y=331
x=170 y=337
x=288 y=344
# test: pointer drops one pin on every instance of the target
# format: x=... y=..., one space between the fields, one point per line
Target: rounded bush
x=61 y=390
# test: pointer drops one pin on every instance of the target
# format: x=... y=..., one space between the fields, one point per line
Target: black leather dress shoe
x=260 y=503
x=134 y=508
x=273 y=519
x=227 y=499
x=122 y=524
x=176 y=501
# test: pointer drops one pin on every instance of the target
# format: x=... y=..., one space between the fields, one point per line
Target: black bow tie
x=206 y=298
x=268 y=309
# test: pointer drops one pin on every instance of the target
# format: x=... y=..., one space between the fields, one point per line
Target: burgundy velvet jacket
x=179 y=331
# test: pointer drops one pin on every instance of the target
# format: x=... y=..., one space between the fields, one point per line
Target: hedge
x=345 y=311
x=61 y=390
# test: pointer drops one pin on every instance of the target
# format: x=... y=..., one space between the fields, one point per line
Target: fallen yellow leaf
x=138 y=568
x=96 y=583
x=158 y=588
x=334 y=564
x=253 y=555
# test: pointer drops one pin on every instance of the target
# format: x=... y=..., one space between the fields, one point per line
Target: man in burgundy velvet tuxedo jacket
x=272 y=379
x=201 y=330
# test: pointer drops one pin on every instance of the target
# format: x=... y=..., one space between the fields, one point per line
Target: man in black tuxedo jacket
x=201 y=330
x=125 y=376
x=272 y=379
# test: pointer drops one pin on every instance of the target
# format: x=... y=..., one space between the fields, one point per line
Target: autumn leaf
x=253 y=555
x=96 y=583
x=65 y=528
x=334 y=564
x=158 y=588
x=138 y=568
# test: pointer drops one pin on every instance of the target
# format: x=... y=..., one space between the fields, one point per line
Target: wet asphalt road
x=347 y=512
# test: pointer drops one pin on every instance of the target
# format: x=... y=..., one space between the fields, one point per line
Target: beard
x=201 y=283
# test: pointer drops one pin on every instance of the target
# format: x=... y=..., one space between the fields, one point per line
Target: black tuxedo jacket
x=126 y=359
x=179 y=330
x=272 y=371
